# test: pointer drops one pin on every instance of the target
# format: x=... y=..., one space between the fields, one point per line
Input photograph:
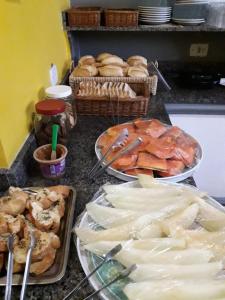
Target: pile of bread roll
x=108 y=89
x=109 y=65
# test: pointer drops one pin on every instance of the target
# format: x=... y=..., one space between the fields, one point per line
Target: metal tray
x=58 y=269
x=188 y=172
x=84 y=221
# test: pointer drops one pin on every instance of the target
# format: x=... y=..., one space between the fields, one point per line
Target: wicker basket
x=105 y=106
x=121 y=17
x=84 y=16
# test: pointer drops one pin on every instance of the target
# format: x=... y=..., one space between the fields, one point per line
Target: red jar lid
x=50 y=107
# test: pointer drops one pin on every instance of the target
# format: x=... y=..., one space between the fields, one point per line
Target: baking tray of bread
x=48 y=213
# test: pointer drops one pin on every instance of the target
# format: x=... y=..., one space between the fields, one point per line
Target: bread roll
x=85 y=71
x=102 y=56
x=137 y=60
x=86 y=60
x=113 y=60
x=111 y=71
x=137 y=72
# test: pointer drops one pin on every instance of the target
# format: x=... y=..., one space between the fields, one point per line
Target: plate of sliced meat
x=166 y=152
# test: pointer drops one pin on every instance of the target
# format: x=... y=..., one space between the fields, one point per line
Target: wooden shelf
x=147 y=28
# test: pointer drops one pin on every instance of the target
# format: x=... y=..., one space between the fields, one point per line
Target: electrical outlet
x=199 y=50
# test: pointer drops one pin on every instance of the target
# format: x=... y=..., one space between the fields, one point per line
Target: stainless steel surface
x=8 y=289
x=188 y=172
x=107 y=258
x=127 y=149
x=119 y=142
x=57 y=271
x=27 y=266
x=123 y=274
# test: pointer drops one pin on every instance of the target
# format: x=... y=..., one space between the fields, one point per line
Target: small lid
x=50 y=107
x=58 y=91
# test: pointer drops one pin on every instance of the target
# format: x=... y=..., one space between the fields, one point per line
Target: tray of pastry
x=48 y=212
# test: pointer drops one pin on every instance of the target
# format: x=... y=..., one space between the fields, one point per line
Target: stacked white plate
x=154 y=15
x=192 y=2
x=189 y=12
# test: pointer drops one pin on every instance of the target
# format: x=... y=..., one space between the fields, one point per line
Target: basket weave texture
x=107 y=106
x=121 y=18
x=84 y=16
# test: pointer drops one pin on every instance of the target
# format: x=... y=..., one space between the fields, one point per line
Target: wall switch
x=53 y=74
x=199 y=50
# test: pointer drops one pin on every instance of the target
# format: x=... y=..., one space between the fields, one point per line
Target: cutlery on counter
x=27 y=265
x=122 y=274
x=122 y=152
x=8 y=288
x=107 y=258
x=118 y=143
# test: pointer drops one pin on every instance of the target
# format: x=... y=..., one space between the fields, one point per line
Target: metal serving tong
x=119 y=142
x=8 y=289
x=122 y=152
x=107 y=258
x=123 y=274
x=27 y=266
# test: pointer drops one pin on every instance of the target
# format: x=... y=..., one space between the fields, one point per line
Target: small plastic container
x=63 y=92
x=51 y=168
x=49 y=112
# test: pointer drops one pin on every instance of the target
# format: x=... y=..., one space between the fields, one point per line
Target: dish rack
x=115 y=106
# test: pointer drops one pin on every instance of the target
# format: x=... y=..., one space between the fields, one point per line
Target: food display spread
x=175 y=235
x=165 y=150
x=38 y=211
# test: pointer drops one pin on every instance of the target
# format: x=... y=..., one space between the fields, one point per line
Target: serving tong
x=118 y=143
x=109 y=256
x=8 y=289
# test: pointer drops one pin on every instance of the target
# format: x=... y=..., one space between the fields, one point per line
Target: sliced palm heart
x=159 y=272
x=176 y=289
x=156 y=244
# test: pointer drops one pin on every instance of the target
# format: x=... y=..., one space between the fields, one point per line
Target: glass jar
x=63 y=92
x=49 y=112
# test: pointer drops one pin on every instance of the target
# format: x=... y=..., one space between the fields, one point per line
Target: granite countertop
x=80 y=160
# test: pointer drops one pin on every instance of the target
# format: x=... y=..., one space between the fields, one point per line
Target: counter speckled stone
x=80 y=160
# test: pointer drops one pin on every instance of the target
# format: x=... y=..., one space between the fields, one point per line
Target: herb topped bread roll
x=86 y=60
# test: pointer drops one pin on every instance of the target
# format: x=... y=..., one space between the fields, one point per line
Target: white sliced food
x=159 y=272
x=154 y=201
x=141 y=192
x=123 y=232
x=182 y=257
x=215 y=241
x=209 y=217
x=109 y=217
x=149 y=182
x=174 y=289
x=184 y=219
x=157 y=244
x=153 y=230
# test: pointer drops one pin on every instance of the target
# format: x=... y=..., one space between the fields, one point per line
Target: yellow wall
x=31 y=38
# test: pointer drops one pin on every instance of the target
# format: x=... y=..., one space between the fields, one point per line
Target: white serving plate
x=177 y=178
x=188 y=23
x=84 y=223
